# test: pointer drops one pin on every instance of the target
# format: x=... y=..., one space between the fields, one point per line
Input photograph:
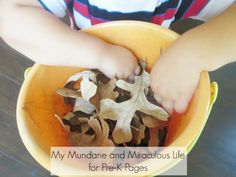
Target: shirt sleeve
x=213 y=8
x=202 y=9
x=56 y=7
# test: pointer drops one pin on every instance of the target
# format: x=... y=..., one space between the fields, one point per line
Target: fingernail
x=137 y=70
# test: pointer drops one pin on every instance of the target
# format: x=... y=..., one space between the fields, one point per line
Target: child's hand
x=207 y=47
x=175 y=76
x=118 y=61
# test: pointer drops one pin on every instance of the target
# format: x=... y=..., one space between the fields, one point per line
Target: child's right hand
x=118 y=61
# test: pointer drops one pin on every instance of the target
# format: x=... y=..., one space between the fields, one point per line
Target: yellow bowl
x=37 y=102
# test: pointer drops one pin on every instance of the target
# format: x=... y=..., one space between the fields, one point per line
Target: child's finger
x=131 y=79
x=137 y=70
x=168 y=105
x=181 y=103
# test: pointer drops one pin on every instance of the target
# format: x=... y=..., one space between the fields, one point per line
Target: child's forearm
x=45 y=39
x=214 y=41
x=206 y=47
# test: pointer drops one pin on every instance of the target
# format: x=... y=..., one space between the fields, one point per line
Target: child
x=31 y=27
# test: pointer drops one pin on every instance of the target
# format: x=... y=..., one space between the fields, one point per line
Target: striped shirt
x=84 y=13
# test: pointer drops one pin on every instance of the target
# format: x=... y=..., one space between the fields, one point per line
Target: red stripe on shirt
x=95 y=21
x=82 y=9
x=195 y=8
x=67 y=1
x=158 y=19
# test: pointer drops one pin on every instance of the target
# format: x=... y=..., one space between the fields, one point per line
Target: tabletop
x=214 y=154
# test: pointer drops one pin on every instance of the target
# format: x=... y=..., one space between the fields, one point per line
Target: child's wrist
x=101 y=55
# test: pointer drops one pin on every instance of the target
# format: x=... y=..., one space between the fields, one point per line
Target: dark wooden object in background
x=213 y=156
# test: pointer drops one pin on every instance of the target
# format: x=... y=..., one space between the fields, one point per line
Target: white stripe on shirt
x=81 y=21
x=213 y=8
x=125 y=6
x=57 y=7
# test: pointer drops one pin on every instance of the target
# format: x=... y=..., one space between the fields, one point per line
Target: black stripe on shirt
x=171 y=4
x=110 y=16
x=185 y=4
x=70 y=6
x=106 y=15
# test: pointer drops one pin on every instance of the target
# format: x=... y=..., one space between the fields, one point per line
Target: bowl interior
x=38 y=102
